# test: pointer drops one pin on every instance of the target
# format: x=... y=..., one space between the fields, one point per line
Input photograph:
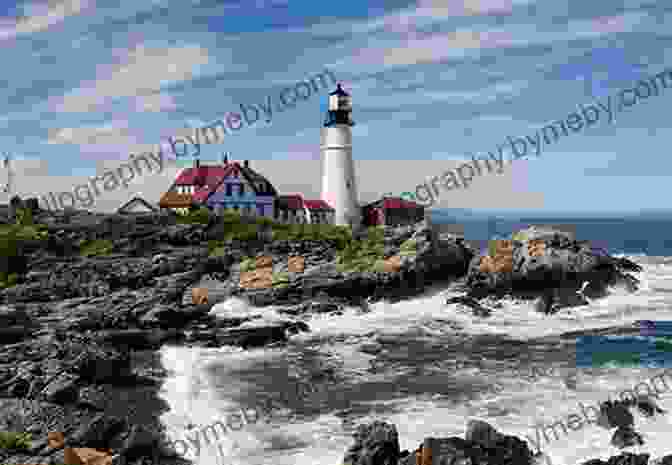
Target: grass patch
x=248 y=264
x=8 y=279
x=198 y=216
x=281 y=279
x=245 y=229
x=98 y=247
x=409 y=248
x=14 y=441
x=520 y=236
x=362 y=255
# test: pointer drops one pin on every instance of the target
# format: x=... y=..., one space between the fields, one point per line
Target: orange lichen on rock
x=257 y=279
x=199 y=296
x=55 y=440
x=502 y=259
x=536 y=247
x=264 y=261
x=86 y=456
x=392 y=264
x=296 y=264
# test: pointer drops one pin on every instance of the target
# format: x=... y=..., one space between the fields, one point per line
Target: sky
x=88 y=82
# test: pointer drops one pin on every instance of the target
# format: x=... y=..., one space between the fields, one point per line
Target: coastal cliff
x=88 y=299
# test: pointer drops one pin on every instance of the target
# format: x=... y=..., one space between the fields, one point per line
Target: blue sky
x=86 y=82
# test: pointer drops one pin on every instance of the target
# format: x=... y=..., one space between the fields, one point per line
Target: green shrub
x=12 y=237
x=24 y=217
x=96 y=247
x=198 y=216
x=14 y=441
x=248 y=264
x=492 y=248
x=520 y=236
x=8 y=280
x=219 y=251
x=362 y=255
x=280 y=279
x=410 y=245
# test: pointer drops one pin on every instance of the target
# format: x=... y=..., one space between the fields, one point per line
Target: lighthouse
x=339 y=187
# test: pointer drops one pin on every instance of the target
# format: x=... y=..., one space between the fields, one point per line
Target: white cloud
x=40 y=16
x=143 y=73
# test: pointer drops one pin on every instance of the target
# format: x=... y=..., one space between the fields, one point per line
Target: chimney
x=246 y=163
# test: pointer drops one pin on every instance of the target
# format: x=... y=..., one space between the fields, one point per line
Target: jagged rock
x=485 y=445
x=12 y=315
x=666 y=460
x=139 y=442
x=648 y=406
x=625 y=458
x=94 y=397
x=136 y=338
x=62 y=390
x=482 y=433
x=165 y=316
x=259 y=336
x=476 y=307
x=97 y=433
x=614 y=414
x=544 y=303
x=543 y=260
x=102 y=364
x=626 y=436
x=375 y=444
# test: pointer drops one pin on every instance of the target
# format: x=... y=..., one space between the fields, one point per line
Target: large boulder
x=375 y=444
x=536 y=260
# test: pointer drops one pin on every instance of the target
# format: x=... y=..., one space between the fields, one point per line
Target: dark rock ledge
x=79 y=335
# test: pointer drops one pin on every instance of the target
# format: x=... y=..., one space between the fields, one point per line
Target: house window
x=228 y=190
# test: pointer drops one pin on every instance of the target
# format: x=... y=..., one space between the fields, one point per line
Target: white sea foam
x=515 y=409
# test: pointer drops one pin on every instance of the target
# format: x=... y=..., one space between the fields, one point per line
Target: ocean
x=428 y=367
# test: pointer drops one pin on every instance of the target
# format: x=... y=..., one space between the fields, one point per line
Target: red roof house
x=319 y=212
x=390 y=211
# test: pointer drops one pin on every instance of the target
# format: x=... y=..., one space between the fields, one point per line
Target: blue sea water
x=649 y=235
x=624 y=351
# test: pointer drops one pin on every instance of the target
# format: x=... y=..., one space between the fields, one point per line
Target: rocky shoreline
x=79 y=334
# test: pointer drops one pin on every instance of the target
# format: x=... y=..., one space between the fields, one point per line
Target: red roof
x=393 y=203
x=317 y=205
x=293 y=202
x=208 y=176
x=399 y=203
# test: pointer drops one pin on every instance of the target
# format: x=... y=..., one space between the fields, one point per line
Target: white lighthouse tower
x=339 y=187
